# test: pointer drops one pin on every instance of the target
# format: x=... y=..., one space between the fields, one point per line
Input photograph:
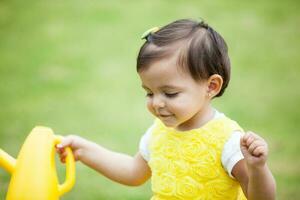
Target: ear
x=214 y=83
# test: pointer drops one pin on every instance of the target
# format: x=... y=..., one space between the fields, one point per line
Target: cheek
x=149 y=105
x=177 y=107
x=184 y=107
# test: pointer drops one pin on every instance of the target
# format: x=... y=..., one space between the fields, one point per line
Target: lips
x=164 y=116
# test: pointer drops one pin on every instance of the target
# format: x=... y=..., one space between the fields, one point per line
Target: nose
x=157 y=102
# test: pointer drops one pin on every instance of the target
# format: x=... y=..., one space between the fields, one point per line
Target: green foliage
x=70 y=65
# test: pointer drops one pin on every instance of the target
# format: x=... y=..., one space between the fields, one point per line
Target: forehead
x=164 y=72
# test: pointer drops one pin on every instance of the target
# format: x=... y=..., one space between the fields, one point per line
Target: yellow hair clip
x=148 y=32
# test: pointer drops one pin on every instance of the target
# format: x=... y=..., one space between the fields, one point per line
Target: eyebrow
x=164 y=87
x=143 y=86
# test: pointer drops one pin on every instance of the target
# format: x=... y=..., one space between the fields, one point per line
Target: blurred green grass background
x=70 y=65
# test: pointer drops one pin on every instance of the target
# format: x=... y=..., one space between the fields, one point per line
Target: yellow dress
x=187 y=165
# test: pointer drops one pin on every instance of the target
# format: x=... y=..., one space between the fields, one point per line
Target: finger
x=260 y=151
x=256 y=136
x=254 y=145
x=244 y=151
x=66 y=141
x=63 y=160
x=59 y=150
x=248 y=139
x=64 y=154
x=244 y=138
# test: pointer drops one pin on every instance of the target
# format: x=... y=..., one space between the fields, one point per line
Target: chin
x=169 y=124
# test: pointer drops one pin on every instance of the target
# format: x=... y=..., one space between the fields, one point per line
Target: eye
x=171 y=95
x=149 y=94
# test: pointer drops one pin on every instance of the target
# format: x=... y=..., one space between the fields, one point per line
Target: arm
x=118 y=167
x=252 y=172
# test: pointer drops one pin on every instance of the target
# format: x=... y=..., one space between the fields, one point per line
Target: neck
x=197 y=120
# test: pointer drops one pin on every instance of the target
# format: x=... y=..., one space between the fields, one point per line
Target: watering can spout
x=7 y=162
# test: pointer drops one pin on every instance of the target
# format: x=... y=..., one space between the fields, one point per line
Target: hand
x=254 y=149
x=76 y=143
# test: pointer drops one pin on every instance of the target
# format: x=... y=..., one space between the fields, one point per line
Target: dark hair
x=202 y=51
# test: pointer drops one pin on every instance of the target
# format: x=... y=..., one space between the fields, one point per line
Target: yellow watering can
x=34 y=174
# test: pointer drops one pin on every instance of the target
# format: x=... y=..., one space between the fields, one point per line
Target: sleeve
x=232 y=153
x=144 y=144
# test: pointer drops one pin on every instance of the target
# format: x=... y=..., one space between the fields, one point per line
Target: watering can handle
x=70 y=170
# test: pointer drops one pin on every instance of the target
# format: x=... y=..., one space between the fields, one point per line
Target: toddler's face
x=173 y=95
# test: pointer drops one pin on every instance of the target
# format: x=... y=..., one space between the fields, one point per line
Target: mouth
x=164 y=116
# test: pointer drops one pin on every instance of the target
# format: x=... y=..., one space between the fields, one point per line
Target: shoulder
x=145 y=141
x=227 y=121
